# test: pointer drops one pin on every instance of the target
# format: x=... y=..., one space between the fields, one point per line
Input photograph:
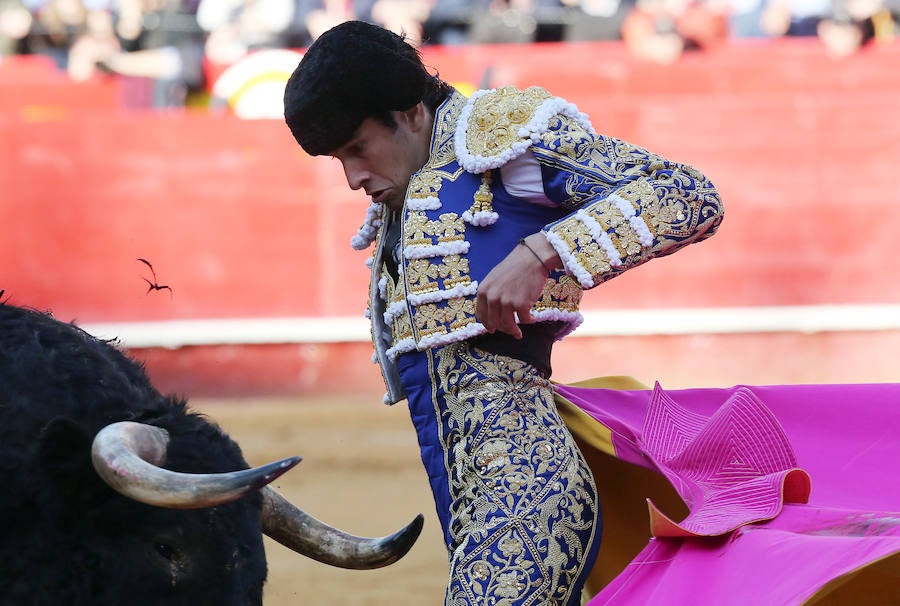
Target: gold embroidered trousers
x=516 y=500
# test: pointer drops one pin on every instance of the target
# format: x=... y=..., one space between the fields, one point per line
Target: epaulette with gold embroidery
x=499 y=125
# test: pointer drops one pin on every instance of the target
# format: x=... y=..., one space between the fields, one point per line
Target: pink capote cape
x=776 y=494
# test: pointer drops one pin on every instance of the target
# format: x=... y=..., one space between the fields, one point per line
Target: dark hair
x=352 y=72
x=436 y=92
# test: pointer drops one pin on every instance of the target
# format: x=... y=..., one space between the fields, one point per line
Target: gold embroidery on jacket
x=564 y=294
x=417 y=229
x=424 y=185
x=483 y=197
x=496 y=118
x=442 y=145
x=577 y=237
x=423 y=273
x=449 y=228
x=523 y=501
x=454 y=271
x=436 y=318
x=421 y=276
x=675 y=202
x=401 y=327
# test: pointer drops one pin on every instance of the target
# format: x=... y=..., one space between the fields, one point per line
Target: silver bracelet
x=536 y=256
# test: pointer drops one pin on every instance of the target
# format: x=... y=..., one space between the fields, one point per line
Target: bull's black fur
x=66 y=539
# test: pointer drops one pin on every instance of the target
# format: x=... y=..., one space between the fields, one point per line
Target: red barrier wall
x=240 y=223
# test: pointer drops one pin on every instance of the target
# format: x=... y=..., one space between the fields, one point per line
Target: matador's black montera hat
x=351 y=72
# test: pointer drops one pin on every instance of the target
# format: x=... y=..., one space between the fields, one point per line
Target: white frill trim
x=409 y=344
x=456 y=247
x=368 y=314
x=382 y=287
x=572 y=319
x=553 y=106
x=569 y=261
x=403 y=346
x=480 y=218
x=370 y=261
x=637 y=223
x=374 y=358
x=530 y=133
x=429 y=203
x=369 y=229
x=460 y=290
x=466 y=332
x=394 y=309
x=596 y=231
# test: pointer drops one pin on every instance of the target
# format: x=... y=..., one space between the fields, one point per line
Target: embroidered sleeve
x=628 y=205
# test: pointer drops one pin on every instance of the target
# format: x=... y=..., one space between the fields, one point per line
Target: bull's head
x=128 y=455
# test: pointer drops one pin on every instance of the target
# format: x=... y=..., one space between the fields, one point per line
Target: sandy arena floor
x=361 y=473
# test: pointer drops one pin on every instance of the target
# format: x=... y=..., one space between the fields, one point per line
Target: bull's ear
x=65 y=455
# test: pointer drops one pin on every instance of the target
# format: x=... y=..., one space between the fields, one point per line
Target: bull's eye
x=166 y=551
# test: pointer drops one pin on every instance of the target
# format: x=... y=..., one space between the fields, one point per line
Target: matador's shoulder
x=499 y=125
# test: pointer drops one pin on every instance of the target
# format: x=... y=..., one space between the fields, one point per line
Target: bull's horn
x=300 y=532
x=127 y=456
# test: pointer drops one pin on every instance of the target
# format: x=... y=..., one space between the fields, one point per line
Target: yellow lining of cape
x=584 y=426
x=623 y=486
x=872 y=584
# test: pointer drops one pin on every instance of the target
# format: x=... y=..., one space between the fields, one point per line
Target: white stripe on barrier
x=715 y=320
x=611 y=322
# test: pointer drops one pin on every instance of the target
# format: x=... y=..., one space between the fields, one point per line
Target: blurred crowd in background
x=172 y=40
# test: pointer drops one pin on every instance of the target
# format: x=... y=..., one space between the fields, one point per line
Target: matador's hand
x=511 y=288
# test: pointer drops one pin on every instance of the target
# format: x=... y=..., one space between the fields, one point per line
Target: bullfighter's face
x=380 y=159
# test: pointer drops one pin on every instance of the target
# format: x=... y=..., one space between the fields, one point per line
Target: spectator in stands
x=94 y=44
x=148 y=24
x=403 y=17
x=794 y=17
x=524 y=21
x=15 y=23
x=502 y=22
x=129 y=22
x=661 y=30
x=745 y=19
x=168 y=55
x=886 y=22
x=236 y=27
x=318 y=16
x=55 y=27
x=854 y=23
x=596 y=19
x=448 y=23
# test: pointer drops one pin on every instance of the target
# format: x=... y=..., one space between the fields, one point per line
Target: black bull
x=115 y=494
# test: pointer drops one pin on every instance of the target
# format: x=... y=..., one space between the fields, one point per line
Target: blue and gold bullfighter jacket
x=504 y=164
